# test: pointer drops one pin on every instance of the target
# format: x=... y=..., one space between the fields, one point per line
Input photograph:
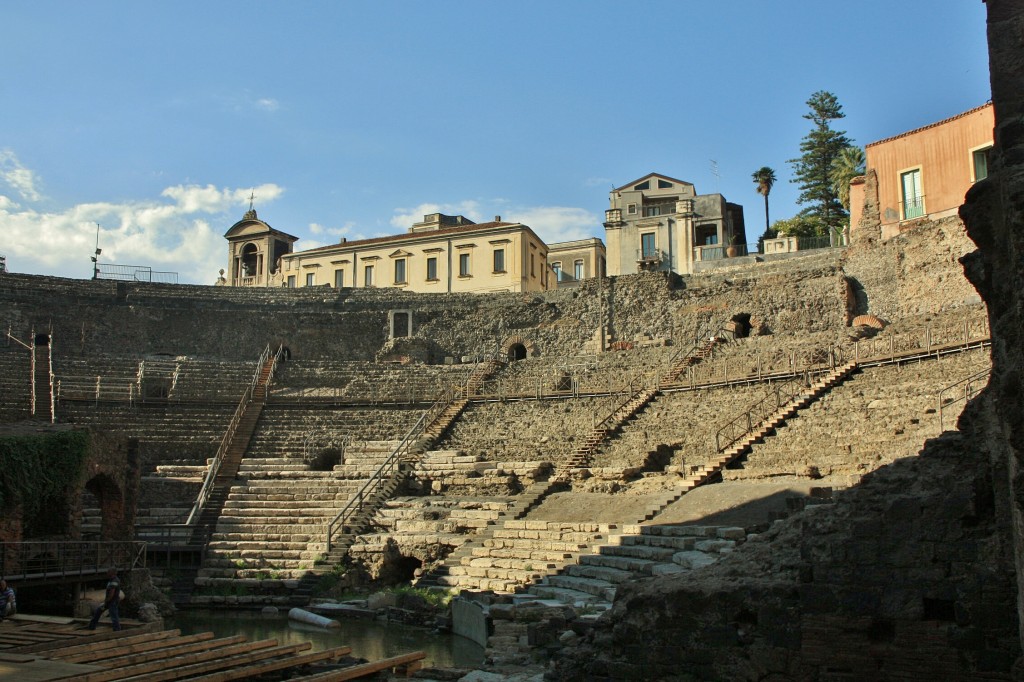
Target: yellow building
x=442 y=254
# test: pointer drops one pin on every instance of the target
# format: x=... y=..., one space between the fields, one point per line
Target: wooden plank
x=250 y=671
x=81 y=636
x=112 y=643
x=110 y=655
x=199 y=662
x=411 y=661
x=177 y=650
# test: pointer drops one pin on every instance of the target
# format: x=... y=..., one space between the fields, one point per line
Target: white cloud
x=405 y=217
x=19 y=178
x=177 y=236
x=551 y=223
x=267 y=104
x=558 y=223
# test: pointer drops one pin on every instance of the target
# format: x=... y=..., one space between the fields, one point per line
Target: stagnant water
x=369 y=639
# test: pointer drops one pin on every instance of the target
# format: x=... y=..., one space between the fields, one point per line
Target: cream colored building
x=442 y=254
x=576 y=260
x=660 y=223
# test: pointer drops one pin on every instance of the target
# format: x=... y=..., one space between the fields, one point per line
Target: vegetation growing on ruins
x=39 y=469
x=813 y=169
x=845 y=167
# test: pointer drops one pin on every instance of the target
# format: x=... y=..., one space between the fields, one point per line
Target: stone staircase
x=484 y=371
x=434 y=431
x=455 y=472
x=232 y=455
x=521 y=505
x=633 y=553
x=271 y=530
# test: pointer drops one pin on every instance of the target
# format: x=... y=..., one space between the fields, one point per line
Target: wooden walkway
x=43 y=648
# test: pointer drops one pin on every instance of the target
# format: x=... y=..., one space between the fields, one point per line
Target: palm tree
x=845 y=167
x=764 y=178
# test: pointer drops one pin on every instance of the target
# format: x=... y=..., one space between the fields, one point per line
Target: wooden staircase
x=484 y=371
x=698 y=354
x=613 y=423
x=701 y=474
x=433 y=431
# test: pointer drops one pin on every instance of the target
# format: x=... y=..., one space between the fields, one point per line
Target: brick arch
x=510 y=344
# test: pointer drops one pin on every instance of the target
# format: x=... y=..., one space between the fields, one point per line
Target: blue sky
x=157 y=119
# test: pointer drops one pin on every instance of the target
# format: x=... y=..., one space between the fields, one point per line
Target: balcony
x=650 y=259
x=912 y=207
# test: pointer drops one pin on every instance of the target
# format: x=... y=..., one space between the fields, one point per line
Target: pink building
x=924 y=173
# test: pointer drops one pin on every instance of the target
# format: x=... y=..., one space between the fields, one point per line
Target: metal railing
x=389 y=468
x=46 y=560
x=780 y=394
x=211 y=475
x=961 y=392
x=134 y=273
x=912 y=207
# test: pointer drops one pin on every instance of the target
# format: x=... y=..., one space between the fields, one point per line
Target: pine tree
x=813 y=170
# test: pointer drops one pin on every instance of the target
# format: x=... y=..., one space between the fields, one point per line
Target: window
x=400 y=271
x=499 y=260
x=647 y=245
x=368 y=276
x=310 y=278
x=651 y=211
x=913 y=199
x=339 y=279
x=642 y=186
x=533 y=265
x=291 y=281
x=664 y=184
x=557 y=267
x=979 y=159
x=432 y=269
x=631 y=209
x=577 y=269
x=463 y=265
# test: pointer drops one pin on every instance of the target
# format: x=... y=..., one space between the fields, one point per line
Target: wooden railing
x=211 y=475
x=387 y=470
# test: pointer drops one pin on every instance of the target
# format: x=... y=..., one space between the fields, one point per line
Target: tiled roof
x=931 y=125
x=411 y=236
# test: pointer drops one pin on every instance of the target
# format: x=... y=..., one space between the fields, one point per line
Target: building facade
x=925 y=172
x=661 y=223
x=576 y=260
x=255 y=250
x=441 y=254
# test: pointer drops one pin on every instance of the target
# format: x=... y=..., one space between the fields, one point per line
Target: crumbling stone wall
x=913 y=273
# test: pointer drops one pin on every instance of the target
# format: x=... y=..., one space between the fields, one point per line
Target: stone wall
x=135 y=319
x=915 y=272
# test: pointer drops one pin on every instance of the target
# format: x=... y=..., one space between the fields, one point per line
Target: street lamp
x=96 y=255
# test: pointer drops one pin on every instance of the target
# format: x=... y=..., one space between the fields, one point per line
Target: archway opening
x=111 y=503
x=516 y=351
x=42 y=340
x=740 y=324
x=250 y=260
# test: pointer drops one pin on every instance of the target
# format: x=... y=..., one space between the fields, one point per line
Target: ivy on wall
x=38 y=468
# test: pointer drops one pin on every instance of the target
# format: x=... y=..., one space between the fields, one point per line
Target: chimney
x=497 y=218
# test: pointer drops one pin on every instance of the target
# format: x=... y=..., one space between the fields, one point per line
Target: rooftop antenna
x=714 y=171
x=96 y=255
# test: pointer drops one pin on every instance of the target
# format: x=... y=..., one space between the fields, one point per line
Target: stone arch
x=739 y=325
x=111 y=501
x=250 y=260
x=518 y=347
x=42 y=340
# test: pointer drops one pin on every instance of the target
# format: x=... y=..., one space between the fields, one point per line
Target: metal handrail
x=749 y=419
x=63 y=558
x=229 y=434
x=390 y=466
x=972 y=386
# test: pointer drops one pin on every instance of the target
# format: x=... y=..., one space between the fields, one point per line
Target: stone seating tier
x=881 y=414
x=293 y=433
